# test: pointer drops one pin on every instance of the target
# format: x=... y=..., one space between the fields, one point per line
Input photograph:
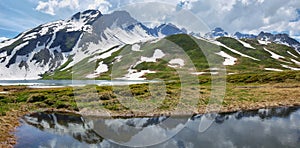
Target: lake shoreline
x=11 y=140
x=14 y=119
x=238 y=98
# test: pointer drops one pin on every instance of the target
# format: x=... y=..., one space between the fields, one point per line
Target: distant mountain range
x=51 y=50
x=263 y=36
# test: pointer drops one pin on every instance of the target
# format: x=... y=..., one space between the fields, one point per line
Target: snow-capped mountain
x=215 y=33
x=48 y=46
x=239 y=35
x=262 y=36
x=51 y=50
x=280 y=39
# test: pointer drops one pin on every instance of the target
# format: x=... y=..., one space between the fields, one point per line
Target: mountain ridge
x=280 y=38
x=53 y=42
x=90 y=36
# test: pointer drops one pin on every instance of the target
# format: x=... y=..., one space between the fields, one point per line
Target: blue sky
x=249 y=16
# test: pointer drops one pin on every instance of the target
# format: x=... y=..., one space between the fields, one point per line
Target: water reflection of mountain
x=268 y=127
x=281 y=112
x=61 y=123
x=91 y=129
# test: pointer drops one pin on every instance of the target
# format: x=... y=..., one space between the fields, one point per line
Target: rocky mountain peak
x=217 y=32
x=87 y=16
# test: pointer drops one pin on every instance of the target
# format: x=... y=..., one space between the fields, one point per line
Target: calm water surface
x=278 y=127
x=62 y=83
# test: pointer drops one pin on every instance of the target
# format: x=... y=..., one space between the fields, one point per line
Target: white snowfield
x=105 y=55
x=115 y=36
x=273 y=69
x=118 y=58
x=274 y=55
x=34 y=70
x=247 y=45
x=3 y=39
x=30 y=36
x=289 y=67
x=229 y=60
x=202 y=73
x=136 y=47
x=158 y=54
x=263 y=42
x=233 y=50
x=14 y=72
x=278 y=41
x=292 y=54
x=295 y=61
x=122 y=38
x=199 y=73
x=176 y=63
x=102 y=68
x=156 y=40
x=10 y=41
x=135 y=75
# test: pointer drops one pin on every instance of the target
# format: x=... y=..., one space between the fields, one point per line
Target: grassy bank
x=243 y=92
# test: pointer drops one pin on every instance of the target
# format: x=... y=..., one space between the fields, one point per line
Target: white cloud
x=51 y=6
x=46 y=7
x=226 y=5
x=101 y=5
x=3 y=38
x=248 y=15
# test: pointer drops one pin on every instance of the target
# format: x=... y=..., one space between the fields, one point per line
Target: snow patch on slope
x=122 y=37
x=78 y=55
x=292 y=54
x=14 y=52
x=273 y=69
x=156 y=40
x=9 y=42
x=136 y=47
x=118 y=58
x=3 y=39
x=229 y=60
x=102 y=68
x=263 y=42
x=295 y=61
x=233 y=50
x=176 y=62
x=247 y=45
x=30 y=69
x=128 y=37
x=202 y=73
x=105 y=55
x=288 y=67
x=135 y=75
x=274 y=55
x=158 y=54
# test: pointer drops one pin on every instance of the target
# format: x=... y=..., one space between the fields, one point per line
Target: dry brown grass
x=8 y=124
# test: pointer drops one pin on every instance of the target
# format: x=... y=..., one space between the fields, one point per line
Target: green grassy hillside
x=199 y=55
